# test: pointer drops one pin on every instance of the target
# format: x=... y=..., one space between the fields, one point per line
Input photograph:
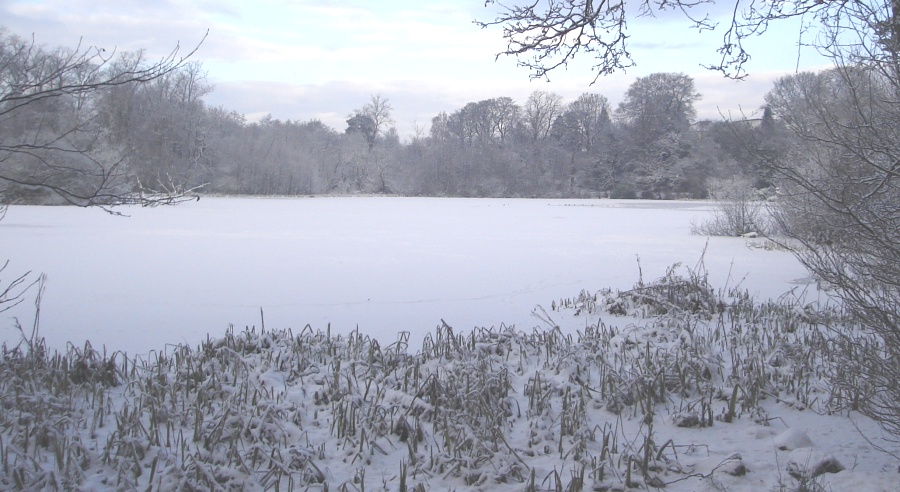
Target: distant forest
x=161 y=133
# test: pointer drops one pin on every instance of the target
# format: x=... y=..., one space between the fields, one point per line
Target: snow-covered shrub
x=739 y=210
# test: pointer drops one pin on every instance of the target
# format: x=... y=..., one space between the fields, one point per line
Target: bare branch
x=553 y=37
x=50 y=139
x=545 y=36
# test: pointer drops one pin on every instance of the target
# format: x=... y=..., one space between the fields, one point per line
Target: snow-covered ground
x=385 y=265
x=176 y=274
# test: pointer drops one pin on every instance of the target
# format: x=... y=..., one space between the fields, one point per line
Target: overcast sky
x=321 y=59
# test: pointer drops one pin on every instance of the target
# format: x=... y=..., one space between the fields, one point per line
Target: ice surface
x=176 y=274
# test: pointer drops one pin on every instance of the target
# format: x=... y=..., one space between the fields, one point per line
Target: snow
x=384 y=265
x=182 y=274
x=792 y=439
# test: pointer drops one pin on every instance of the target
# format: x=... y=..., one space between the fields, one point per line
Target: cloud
x=304 y=59
x=731 y=99
x=126 y=25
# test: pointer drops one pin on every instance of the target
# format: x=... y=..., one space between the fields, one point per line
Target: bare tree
x=503 y=114
x=739 y=212
x=840 y=202
x=581 y=125
x=657 y=104
x=840 y=197
x=161 y=127
x=541 y=110
x=379 y=109
x=372 y=120
x=51 y=141
x=486 y=122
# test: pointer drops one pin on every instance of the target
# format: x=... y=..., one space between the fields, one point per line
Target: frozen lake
x=384 y=265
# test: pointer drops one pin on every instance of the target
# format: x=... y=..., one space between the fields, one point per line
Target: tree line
x=160 y=136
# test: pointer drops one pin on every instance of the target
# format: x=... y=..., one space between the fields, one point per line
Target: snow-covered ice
x=176 y=274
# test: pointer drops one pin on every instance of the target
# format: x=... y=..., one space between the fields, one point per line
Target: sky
x=323 y=59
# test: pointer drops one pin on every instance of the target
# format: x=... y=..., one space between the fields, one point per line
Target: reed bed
x=490 y=409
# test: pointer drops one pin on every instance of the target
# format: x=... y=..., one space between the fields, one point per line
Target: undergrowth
x=491 y=409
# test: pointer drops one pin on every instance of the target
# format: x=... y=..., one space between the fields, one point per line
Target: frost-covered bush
x=740 y=210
